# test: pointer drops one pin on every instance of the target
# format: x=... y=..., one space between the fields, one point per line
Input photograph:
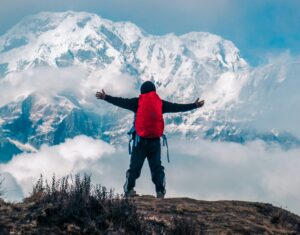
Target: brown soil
x=219 y=217
x=166 y=216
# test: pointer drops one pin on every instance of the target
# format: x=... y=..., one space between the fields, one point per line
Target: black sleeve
x=125 y=103
x=169 y=107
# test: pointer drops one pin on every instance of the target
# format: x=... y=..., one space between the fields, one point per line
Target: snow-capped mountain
x=117 y=56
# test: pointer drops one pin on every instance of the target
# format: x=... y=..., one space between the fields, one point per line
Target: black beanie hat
x=147 y=87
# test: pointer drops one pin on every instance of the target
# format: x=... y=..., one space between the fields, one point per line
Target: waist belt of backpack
x=137 y=139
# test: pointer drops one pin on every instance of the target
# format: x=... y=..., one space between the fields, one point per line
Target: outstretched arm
x=130 y=104
x=169 y=107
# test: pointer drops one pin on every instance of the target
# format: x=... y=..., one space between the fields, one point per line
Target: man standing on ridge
x=148 y=128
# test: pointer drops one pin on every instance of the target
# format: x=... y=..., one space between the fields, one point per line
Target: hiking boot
x=130 y=193
x=160 y=195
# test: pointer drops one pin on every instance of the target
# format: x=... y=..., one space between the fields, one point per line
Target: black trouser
x=149 y=148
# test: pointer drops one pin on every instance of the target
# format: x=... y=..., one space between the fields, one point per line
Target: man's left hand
x=198 y=103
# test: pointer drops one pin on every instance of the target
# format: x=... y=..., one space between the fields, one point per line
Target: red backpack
x=149 y=122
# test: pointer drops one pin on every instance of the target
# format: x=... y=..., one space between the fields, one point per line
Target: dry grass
x=74 y=203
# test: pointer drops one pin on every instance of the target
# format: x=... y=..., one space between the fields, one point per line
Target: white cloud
x=272 y=95
x=112 y=81
x=254 y=171
x=69 y=157
x=47 y=81
x=73 y=80
x=199 y=169
x=10 y=188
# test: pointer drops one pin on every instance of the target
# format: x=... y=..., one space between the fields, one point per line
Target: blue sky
x=257 y=27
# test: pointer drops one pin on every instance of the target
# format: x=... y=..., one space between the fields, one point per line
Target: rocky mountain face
x=33 y=121
x=117 y=56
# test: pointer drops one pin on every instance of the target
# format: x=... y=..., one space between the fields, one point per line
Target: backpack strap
x=165 y=143
x=129 y=146
x=135 y=140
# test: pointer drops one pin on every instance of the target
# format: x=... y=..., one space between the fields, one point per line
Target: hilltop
x=82 y=208
x=218 y=217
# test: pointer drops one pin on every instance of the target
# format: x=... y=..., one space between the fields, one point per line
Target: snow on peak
x=183 y=68
x=193 y=61
x=82 y=36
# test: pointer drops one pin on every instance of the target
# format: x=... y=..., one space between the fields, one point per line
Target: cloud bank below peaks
x=200 y=169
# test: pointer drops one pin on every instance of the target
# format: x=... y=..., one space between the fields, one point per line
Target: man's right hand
x=101 y=95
